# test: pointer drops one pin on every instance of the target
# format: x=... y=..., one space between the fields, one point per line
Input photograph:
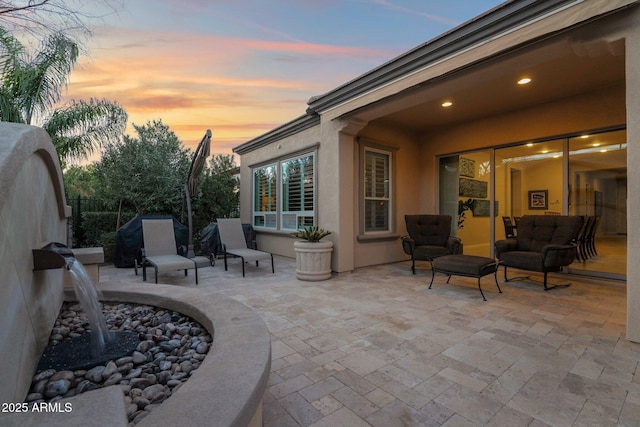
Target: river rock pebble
x=172 y=346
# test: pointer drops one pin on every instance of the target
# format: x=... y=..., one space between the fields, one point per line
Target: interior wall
x=476 y=231
x=545 y=175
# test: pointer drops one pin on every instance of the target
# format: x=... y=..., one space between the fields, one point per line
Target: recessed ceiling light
x=597 y=144
x=530 y=144
x=545 y=151
x=584 y=136
x=524 y=81
x=556 y=156
x=446 y=104
x=603 y=151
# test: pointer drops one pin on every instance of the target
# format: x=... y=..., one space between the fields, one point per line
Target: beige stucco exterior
x=587 y=53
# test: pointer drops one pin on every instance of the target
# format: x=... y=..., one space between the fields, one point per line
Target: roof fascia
x=290 y=128
x=484 y=27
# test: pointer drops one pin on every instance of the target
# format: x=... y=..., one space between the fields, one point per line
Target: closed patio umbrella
x=197 y=164
x=198 y=161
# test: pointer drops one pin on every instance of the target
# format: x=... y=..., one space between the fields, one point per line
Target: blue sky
x=243 y=67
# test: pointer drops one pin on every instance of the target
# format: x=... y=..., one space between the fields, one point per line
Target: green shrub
x=108 y=242
x=96 y=224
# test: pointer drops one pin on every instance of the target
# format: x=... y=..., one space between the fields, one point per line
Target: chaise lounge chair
x=160 y=249
x=234 y=243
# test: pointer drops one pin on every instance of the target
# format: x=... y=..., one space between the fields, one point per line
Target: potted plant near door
x=313 y=257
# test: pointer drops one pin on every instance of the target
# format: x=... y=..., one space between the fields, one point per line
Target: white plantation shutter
x=294 y=202
x=298 y=192
x=377 y=195
x=265 y=194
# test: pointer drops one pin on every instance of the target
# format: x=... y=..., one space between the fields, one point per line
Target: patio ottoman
x=465 y=265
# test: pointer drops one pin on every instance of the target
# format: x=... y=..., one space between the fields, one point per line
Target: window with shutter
x=297 y=176
x=285 y=190
x=265 y=193
x=377 y=190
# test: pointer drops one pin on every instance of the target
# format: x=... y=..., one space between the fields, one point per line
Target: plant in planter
x=313 y=257
x=311 y=234
x=463 y=207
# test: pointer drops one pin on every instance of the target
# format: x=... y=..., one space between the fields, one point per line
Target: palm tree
x=31 y=86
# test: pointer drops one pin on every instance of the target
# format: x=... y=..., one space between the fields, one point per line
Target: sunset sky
x=244 y=67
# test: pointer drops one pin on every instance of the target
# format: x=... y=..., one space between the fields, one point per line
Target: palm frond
x=80 y=127
x=10 y=52
x=46 y=75
x=9 y=111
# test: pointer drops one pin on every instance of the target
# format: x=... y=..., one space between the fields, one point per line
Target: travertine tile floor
x=378 y=348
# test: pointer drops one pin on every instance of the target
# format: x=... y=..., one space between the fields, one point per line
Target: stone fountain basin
x=227 y=388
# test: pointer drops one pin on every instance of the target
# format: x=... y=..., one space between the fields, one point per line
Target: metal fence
x=78 y=206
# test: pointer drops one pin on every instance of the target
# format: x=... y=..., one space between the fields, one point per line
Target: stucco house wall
x=405 y=188
x=471 y=55
x=308 y=139
x=633 y=175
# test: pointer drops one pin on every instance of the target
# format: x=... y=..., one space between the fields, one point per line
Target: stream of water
x=87 y=295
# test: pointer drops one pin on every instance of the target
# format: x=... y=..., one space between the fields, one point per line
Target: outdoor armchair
x=429 y=237
x=233 y=243
x=545 y=243
x=160 y=249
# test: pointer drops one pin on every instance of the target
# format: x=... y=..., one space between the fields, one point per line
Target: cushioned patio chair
x=543 y=244
x=233 y=243
x=429 y=237
x=160 y=249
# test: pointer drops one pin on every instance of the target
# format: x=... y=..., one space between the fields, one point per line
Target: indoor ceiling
x=602 y=151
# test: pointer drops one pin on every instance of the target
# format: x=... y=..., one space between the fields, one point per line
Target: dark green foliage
x=146 y=174
x=97 y=223
x=80 y=181
x=108 y=243
x=218 y=193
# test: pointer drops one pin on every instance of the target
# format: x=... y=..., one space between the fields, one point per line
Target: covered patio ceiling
x=559 y=68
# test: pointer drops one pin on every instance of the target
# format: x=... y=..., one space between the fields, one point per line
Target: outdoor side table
x=465 y=265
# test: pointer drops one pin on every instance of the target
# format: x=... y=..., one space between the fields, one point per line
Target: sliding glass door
x=598 y=191
x=486 y=192
x=465 y=194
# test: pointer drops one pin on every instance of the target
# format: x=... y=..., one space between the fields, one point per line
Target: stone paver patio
x=377 y=348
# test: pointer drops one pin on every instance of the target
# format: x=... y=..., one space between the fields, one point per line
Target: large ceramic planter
x=313 y=260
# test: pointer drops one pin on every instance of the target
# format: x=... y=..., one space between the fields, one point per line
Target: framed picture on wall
x=467 y=167
x=473 y=188
x=538 y=199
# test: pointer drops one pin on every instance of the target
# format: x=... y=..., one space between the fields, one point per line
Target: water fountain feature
x=231 y=380
x=86 y=350
x=57 y=255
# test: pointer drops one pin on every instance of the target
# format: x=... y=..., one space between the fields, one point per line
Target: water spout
x=52 y=255
x=57 y=255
